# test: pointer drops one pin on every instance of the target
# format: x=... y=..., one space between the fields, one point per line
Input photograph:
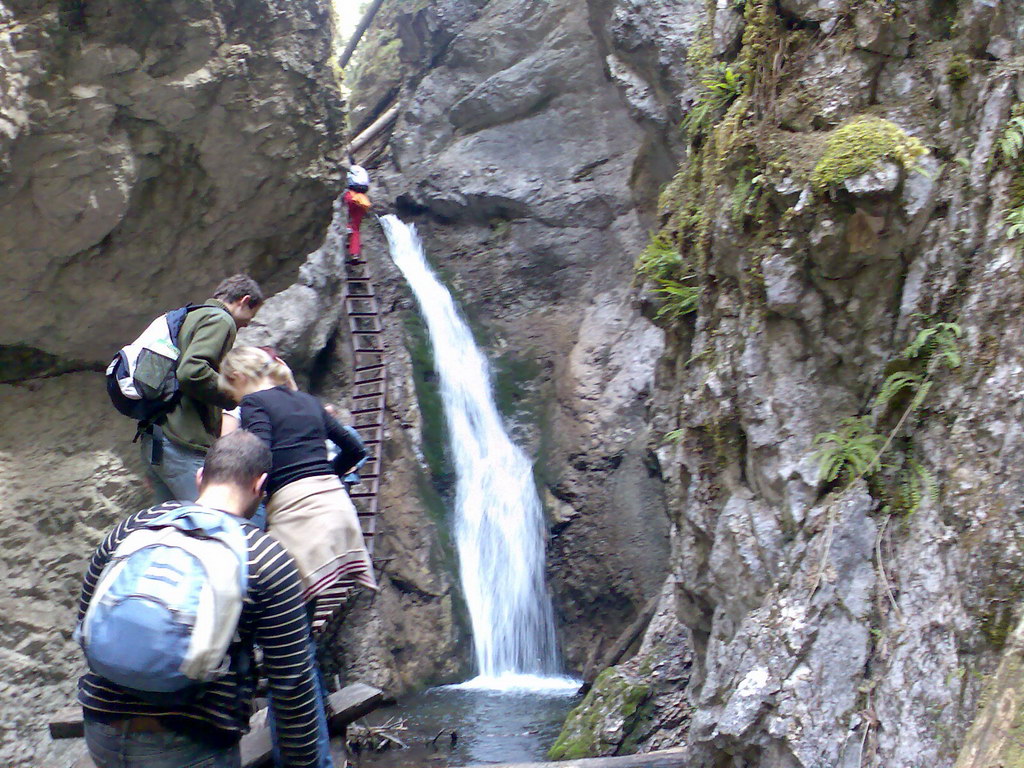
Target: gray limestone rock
x=151 y=152
x=882 y=179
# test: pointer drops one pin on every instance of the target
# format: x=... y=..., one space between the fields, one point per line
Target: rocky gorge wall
x=147 y=150
x=810 y=265
x=519 y=187
x=826 y=402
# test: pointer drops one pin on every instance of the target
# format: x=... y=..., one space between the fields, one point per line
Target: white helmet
x=357 y=176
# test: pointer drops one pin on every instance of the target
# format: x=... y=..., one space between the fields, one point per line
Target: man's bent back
x=123 y=730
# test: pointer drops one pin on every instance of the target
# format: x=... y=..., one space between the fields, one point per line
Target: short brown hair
x=238 y=458
x=236 y=287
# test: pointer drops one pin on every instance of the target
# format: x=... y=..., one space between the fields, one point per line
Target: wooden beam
x=67 y=724
x=628 y=637
x=665 y=758
x=351 y=702
x=364 y=24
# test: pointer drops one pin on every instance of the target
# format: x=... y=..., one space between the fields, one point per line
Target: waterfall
x=499 y=527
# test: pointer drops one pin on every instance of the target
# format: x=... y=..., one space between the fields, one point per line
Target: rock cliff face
x=146 y=150
x=520 y=187
x=813 y=264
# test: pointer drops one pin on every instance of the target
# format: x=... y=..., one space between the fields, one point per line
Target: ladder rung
x=370 y=367
x=374 y=380
x=371 y=394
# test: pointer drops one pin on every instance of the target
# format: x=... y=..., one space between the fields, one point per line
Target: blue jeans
x=174 y=473
x=110 y=747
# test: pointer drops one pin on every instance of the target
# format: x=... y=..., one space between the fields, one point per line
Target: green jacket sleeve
x=212 y=337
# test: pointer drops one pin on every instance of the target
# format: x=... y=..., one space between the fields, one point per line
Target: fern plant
x=1011 y=143
x=1015 y=222
x=853 y=450
x=678 y=299
x=915 y=485
x=939 y=343
x=661 y=259
x=675 y=436
x=721 y=86
x=894 y=384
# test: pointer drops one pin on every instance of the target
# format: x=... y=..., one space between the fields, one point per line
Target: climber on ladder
x=358 y=206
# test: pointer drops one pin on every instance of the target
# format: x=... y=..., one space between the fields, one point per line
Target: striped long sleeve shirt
x=273 y=617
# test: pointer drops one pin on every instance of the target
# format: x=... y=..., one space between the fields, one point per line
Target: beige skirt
x=315 y=520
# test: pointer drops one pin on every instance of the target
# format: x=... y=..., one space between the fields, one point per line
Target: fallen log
x=664 y=758
x=357 y=35
x=373 y=129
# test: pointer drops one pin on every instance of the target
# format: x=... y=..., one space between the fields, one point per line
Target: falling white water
x=499 y=523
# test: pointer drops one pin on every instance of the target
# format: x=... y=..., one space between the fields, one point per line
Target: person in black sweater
x=308 y=509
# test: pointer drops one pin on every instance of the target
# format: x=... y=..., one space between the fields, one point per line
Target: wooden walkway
x=348 y=704
x=369 y=388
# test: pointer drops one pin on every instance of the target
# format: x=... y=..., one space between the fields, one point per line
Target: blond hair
x=255 y=363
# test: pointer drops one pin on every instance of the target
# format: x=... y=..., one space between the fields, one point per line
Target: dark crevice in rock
x=22 y=363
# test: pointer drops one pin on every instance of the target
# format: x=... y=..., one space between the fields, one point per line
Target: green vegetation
x=514 y=392
x=434 y=434
x=1011 y=143
x=662 y=263
x=721 y=85
x=849 y=451
x=958 y=72
x=859 y=145
x=856 y=448
x=613 y=695
x=1010 y=148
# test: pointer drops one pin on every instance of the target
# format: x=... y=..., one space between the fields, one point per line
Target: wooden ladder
x=369 y=388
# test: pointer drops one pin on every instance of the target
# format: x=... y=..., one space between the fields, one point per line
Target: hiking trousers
x=115 y=746
x=170 y=467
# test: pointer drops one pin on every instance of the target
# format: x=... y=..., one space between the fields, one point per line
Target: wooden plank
x=256 y=746
x=350 y=703
x=665 y=758
x=67 y=724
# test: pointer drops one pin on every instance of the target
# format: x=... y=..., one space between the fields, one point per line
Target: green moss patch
x=613 y=698
x=860 y=145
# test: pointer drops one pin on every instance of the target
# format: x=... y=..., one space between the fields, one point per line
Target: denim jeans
x=110 y=747
x=174 y=473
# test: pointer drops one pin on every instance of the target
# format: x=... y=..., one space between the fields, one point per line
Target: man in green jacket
x=177 y=446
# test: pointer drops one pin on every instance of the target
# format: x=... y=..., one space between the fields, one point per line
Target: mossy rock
x=606 y=721
x=859 y=146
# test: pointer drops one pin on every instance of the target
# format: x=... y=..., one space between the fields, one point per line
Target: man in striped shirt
x=124 y=731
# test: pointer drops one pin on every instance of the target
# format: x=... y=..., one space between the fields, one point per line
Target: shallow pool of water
x=491 y=727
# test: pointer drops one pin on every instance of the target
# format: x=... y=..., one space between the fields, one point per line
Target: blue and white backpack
x=166 y=606
x=142 y=379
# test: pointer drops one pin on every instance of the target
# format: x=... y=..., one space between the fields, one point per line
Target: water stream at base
x=499 y=529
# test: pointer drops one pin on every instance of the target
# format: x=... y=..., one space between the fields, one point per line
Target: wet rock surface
x=520 y=189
